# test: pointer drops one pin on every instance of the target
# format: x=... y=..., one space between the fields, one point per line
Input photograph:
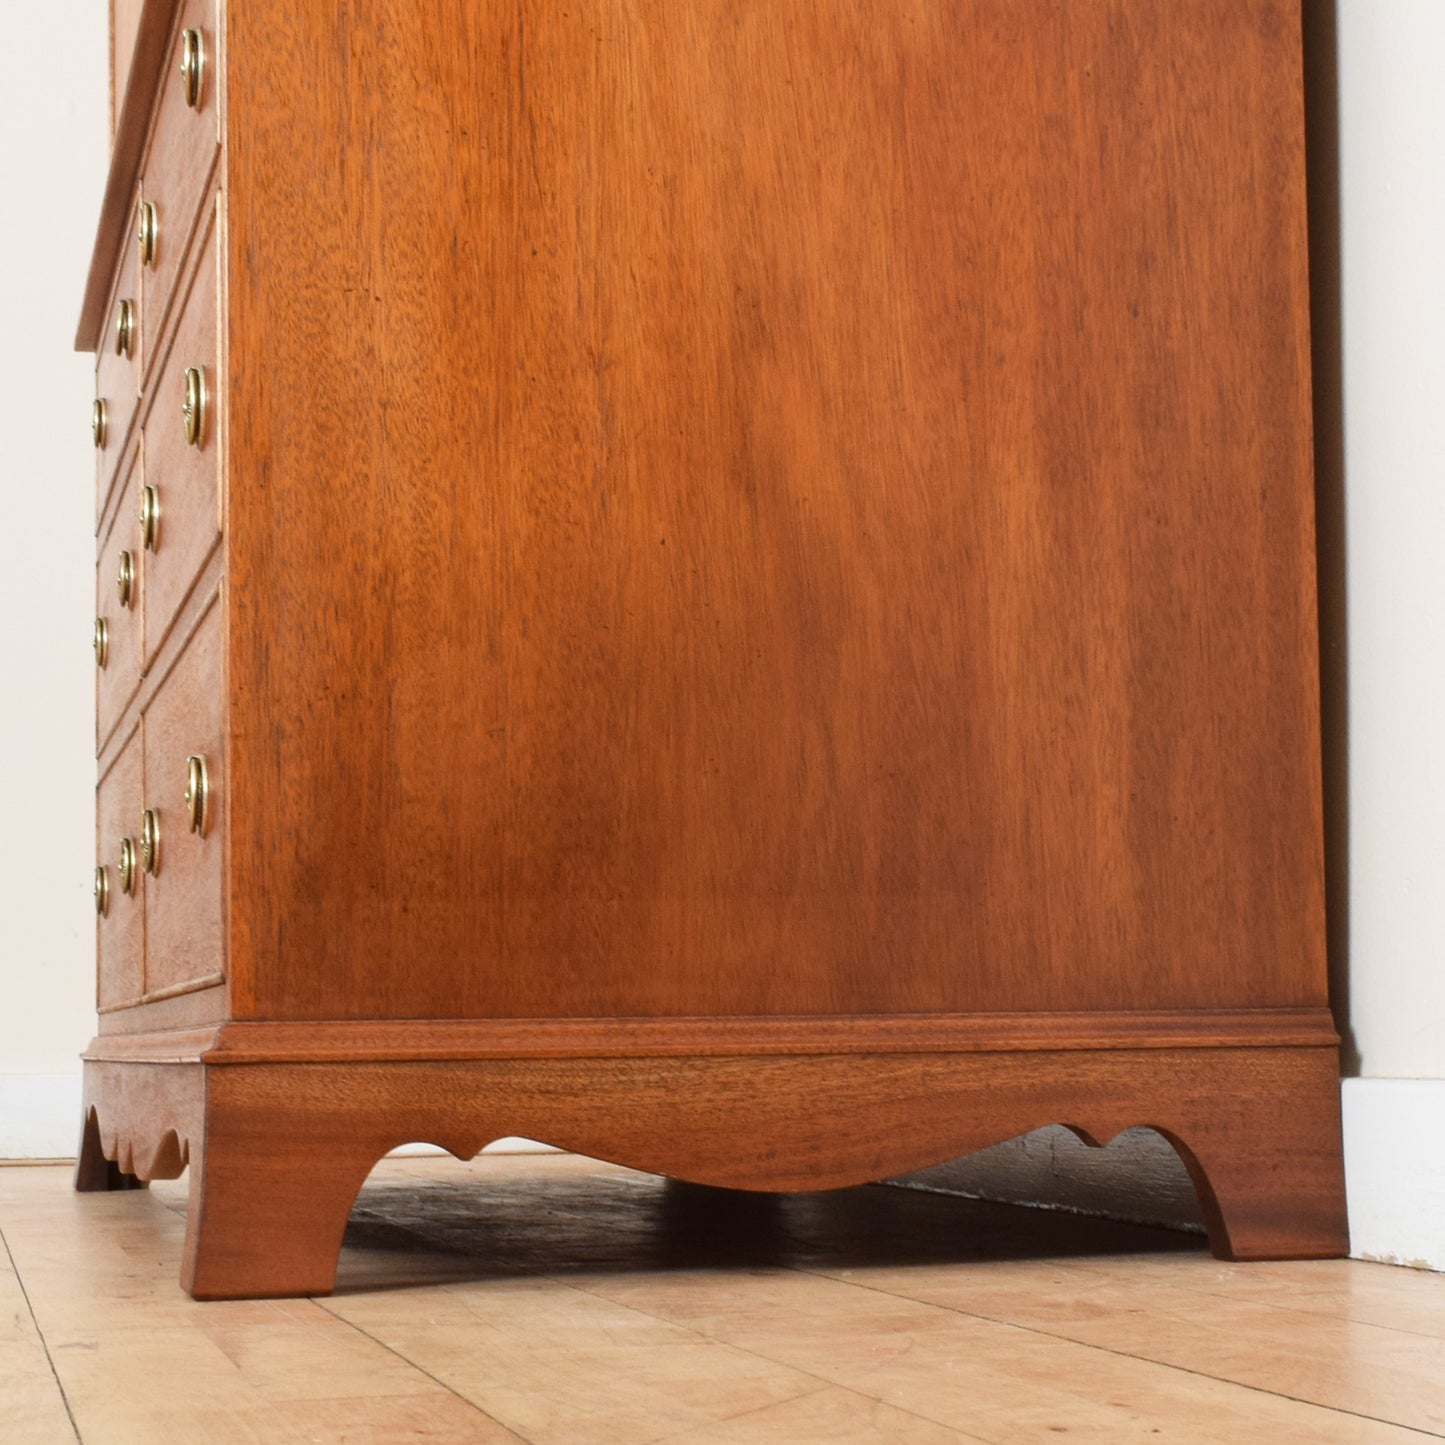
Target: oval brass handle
x=102 y=890
x=127 y=866
x=124 y=328
x=198 y=793
x=102 y=642
x=99 y=421
x=193 y=66
x=150 y=517
x=125 y=582
x=150 y=841
x=147 y=229
x=193 y=407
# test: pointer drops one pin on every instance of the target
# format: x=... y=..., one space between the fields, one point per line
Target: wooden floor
x=548 y=1298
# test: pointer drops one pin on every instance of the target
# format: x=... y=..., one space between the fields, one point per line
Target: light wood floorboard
x=555 y=1300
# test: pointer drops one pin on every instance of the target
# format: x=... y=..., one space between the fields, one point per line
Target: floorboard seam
x=690 y=1432
x=823 y=1382
x=1143 y=1359
x=40 y=1335
x=420 y=1369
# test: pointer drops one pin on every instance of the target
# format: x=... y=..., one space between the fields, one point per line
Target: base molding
x=444 y=1040
x=1394 y=1146
x=279 y=1150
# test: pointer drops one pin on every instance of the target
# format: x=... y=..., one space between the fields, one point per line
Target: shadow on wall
x=1321 y=63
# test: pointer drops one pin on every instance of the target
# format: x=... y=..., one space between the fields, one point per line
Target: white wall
x=1392 y=153
x=1392 y=209
x=53 y=151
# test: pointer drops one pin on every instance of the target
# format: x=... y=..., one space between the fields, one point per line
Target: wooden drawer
x=120 y=930
x=176 y=172
x=186 y=476
x=117 y=378
x=184 y=904
x=117 y=678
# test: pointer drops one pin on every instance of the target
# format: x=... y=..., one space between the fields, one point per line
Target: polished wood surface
x=120 y=932
x=131 y=128
x=117 y=381
x=124 y=31
x=194 y=1008
x=116 y=682
x=175 y=175
x=360 y=1041
x=849 y=527
x=766 y=602
x=185 y=900
x=187 y=478
x=286 y=1146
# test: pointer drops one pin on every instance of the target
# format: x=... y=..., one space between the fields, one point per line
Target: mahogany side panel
x=793 y=509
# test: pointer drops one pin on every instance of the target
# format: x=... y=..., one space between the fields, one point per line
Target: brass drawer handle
x=102 y=642
x=198 y=793
x=127 y=866
x=146 y=231
x=99 y=422
x=124 y=328
x=102 y=890
x=150 y=517
x=193 y=407
x=150 y=841
x=193 y=66
x=125 y=582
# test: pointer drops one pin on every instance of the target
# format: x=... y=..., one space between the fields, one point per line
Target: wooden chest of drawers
x=728 y=586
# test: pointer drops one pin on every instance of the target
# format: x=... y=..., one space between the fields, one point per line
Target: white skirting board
x=1395 y=1170
x=1394 y=1163
x=39 y=1115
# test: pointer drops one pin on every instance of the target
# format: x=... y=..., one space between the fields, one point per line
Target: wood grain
x=176 y=171
x=192 y=1009
x=145 y=1121
x=125 y=16
x=120 y=933
x=187 y=478
x=128 y=141
x=444 y=1039
x=117 y=681
x=287 y=1146
x=117 y=380
x=767 y=619
x=791 y=512
x=185 y=902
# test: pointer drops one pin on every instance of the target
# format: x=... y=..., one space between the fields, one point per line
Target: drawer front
x=120 y=930
x=118 y=609
x=175 y=176
x=183 y=473
x=184 y=906
x=117 y=377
